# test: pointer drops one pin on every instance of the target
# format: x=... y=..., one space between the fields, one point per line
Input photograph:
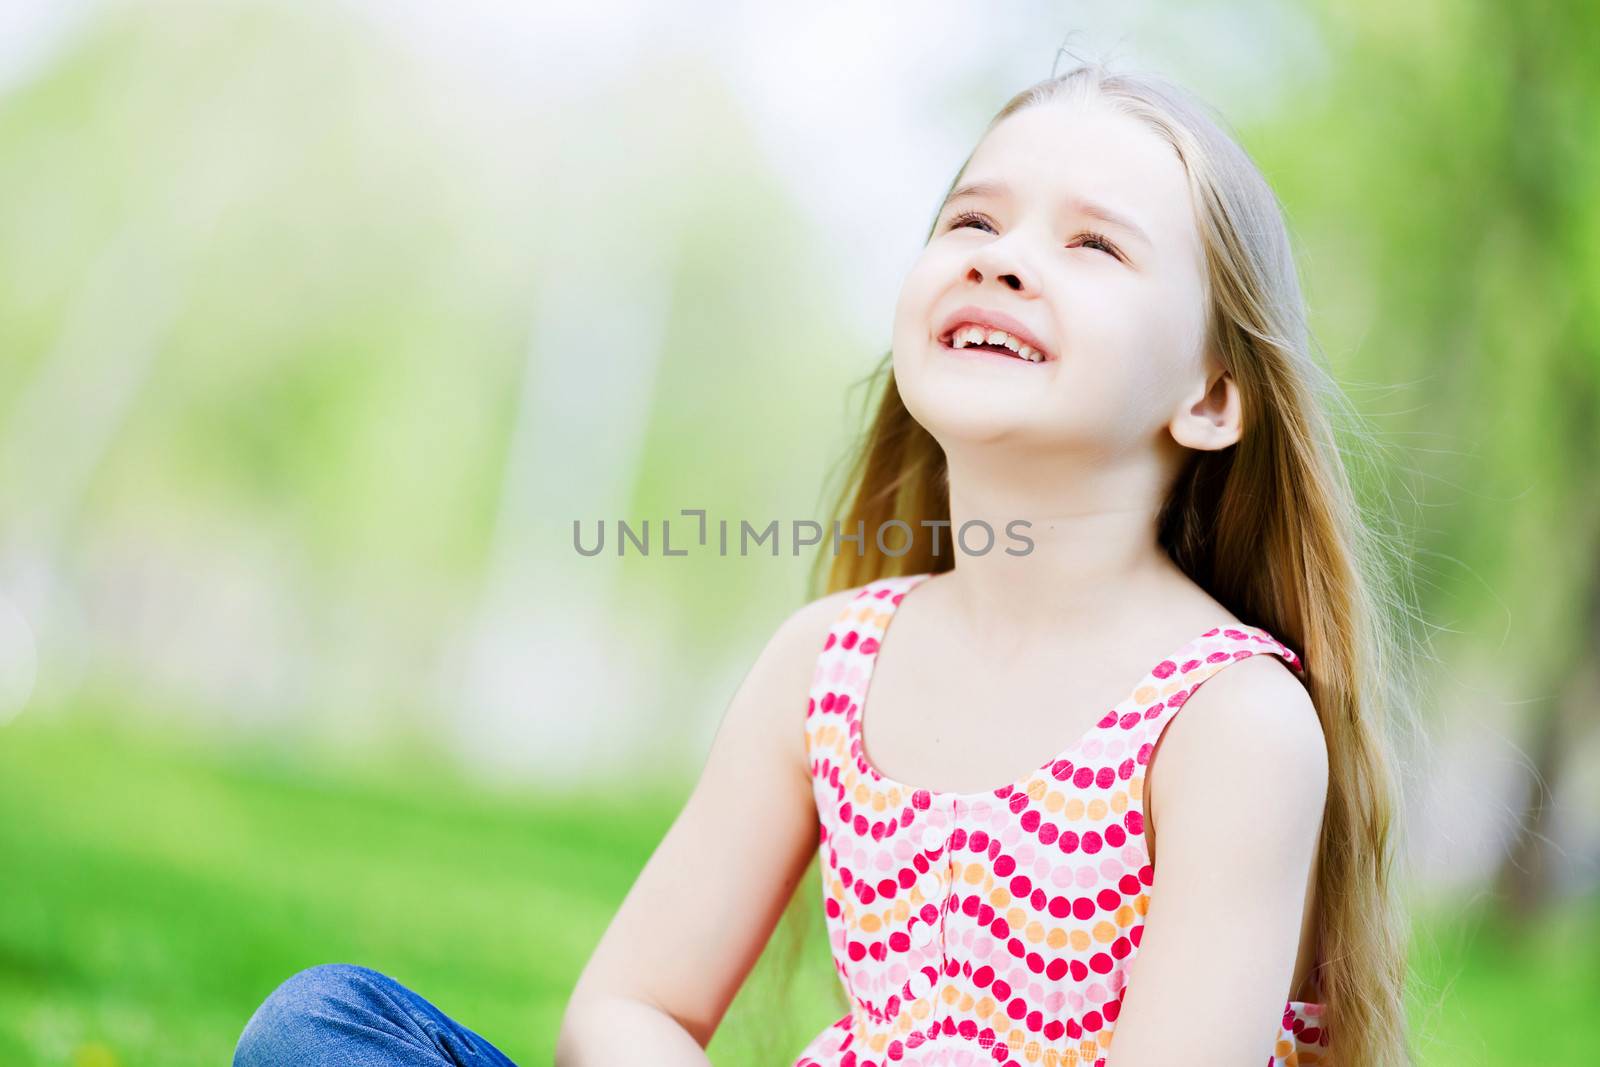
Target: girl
x=1099 y=477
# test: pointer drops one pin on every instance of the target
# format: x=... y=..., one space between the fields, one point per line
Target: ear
x=1210 y=417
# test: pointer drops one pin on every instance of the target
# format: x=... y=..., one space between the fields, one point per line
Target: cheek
x=914 y=307
x=1126 y=347
x=1142 y=332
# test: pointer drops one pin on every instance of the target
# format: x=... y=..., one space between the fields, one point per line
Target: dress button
x=934 y=838
x=922 y=934
x=932 y=886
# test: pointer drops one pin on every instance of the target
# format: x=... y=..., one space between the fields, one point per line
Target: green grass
x=154 y=889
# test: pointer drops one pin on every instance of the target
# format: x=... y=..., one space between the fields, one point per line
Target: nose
x=1001 y=259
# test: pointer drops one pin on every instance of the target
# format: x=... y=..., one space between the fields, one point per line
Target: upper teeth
x=977 y=335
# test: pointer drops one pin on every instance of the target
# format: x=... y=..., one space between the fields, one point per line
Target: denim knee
x=292 y=1023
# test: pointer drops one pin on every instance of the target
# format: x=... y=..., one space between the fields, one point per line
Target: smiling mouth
x=988 y=351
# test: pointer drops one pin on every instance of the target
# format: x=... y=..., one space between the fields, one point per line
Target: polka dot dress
x=995 y=927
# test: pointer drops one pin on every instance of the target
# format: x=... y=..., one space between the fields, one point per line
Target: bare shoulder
x=1248 y=732
x=781 y=676
x=1256 y=708
x=799 y=638
x=814 y=618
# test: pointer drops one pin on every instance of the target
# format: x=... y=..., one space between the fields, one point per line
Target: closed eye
x=1090 y=237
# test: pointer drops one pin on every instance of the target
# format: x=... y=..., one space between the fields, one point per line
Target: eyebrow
x=1083 y=207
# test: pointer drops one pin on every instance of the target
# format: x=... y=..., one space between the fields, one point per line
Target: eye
x=966 y=218
x=1089 y=237
x=1099 y=240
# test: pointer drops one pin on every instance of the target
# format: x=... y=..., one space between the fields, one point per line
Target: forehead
x=1051 y=154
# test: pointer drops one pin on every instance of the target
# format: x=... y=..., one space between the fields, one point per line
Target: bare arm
x=1244 y=779
x=698 y=916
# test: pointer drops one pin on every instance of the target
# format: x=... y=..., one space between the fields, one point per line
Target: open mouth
x=989 y=334
x=988 y=350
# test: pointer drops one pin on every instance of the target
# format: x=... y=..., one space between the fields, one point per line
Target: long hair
x=1271 y=527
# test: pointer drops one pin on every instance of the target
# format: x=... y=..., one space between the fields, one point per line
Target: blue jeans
x=351 y=1016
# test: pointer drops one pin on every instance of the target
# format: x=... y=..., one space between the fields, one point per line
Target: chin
x=952 y=409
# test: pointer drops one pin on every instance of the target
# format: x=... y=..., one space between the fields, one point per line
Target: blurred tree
x=1462 y=152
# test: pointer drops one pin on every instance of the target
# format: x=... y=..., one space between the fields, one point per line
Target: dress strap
x=1174 y=680
x=842 y=668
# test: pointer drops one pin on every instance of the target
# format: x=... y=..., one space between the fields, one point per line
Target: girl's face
x=1115 y=304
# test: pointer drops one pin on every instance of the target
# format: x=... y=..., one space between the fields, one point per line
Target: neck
x=1094 y=551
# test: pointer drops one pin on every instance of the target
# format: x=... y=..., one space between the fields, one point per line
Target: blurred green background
x=322 y=322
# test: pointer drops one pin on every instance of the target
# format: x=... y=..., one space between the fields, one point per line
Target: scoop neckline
x=1006 y=789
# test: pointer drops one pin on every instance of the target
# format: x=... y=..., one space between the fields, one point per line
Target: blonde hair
x=1271 y=527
